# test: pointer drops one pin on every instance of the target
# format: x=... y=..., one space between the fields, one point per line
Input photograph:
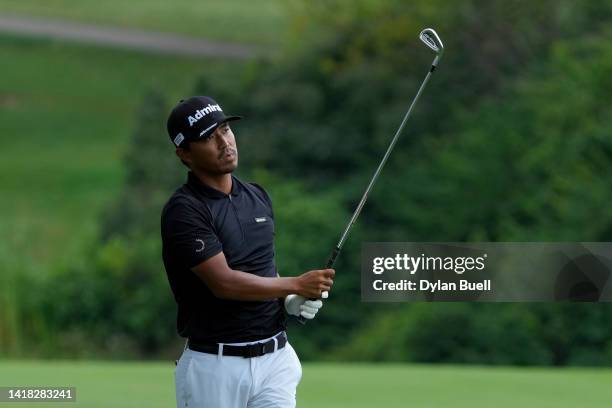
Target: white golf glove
x=297 y=305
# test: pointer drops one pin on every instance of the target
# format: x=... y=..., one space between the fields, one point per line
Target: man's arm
x=228 y=283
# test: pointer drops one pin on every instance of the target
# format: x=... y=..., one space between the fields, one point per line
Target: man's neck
x=222 y=182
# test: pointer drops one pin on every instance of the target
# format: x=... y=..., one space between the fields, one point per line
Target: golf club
x=432 y=40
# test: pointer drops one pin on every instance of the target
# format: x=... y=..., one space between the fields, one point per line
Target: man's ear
x=183 y=154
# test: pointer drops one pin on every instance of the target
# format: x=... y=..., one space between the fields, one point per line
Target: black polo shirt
x=197 y=223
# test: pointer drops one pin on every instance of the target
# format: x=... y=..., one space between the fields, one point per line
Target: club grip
x=330 y=263
x=332 y=258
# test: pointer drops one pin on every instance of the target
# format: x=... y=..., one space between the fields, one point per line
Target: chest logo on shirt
x=260 y=219
x=202 y=247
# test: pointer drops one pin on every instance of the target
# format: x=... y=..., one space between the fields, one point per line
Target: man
x=218 y=250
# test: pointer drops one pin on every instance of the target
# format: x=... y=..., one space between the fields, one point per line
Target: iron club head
x=432 y=40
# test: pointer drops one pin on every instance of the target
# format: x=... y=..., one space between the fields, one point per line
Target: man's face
x=214 y=155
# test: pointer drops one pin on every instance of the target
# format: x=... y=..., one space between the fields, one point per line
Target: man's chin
x=229 y=168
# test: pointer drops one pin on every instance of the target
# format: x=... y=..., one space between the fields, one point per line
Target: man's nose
x=224 y=140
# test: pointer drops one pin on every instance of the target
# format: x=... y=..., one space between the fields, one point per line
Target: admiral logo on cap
x=195 y=118
x=199 y=114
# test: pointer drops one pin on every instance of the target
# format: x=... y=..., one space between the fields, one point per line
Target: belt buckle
x=255 y=350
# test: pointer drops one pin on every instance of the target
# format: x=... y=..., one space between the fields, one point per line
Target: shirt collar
x=209 y=191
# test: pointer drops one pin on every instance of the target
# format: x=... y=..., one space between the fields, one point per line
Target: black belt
x=246 y=351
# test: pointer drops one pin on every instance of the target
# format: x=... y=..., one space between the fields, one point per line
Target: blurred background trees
x=510 y=142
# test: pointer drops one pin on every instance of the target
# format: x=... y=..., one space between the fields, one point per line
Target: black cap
x=195 y=118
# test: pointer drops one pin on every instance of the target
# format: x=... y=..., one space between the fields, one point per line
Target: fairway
x=122 y=385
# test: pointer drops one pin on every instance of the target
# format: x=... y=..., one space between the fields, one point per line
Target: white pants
x=212 y=381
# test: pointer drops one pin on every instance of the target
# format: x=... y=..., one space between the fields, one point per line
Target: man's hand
x=313 y=284
x=297 y=305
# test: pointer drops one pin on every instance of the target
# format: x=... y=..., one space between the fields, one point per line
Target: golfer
x=218 y=251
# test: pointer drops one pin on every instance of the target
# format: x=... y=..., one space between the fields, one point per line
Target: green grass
x=67 y=113
x=257 y=22
x=118 y=385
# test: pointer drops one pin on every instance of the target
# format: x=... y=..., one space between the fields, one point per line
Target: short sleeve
x=188 y=234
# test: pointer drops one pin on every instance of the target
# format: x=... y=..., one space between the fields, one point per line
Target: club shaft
x=338 y=248
x=332 y=258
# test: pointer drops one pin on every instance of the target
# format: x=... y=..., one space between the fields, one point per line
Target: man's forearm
x=238 y=285
x=228 y=283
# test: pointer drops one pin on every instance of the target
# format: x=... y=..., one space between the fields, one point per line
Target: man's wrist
x=292 y=285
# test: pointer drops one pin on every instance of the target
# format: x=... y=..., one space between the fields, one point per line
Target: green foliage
x=508 y=143
x=118 y=305
x=22 y=328
x=525 y=165
x=516 y=156
x=453 y=332
x=521 y=167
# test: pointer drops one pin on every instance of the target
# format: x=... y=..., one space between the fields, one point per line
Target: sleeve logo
x=201 y=242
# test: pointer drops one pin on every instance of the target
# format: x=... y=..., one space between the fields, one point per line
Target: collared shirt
x=199 y=222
